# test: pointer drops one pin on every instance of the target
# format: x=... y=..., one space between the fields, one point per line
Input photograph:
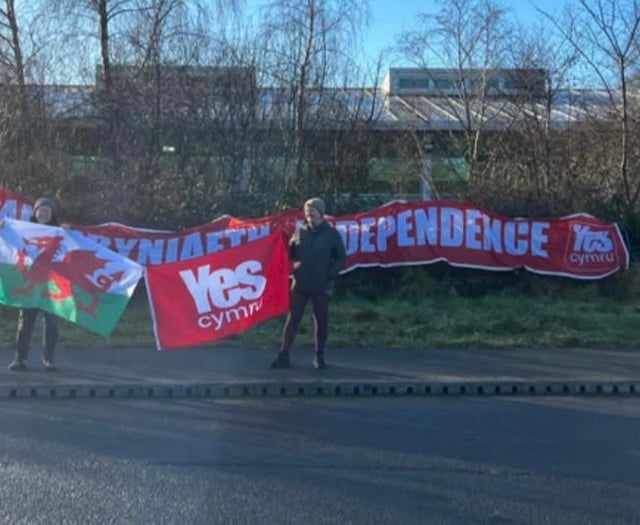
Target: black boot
x=281 y=361
x=48 y=365
x=17 y=365
x=318 y=361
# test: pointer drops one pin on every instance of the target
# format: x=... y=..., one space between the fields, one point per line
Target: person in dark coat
x=318 y=255
x=44 y=212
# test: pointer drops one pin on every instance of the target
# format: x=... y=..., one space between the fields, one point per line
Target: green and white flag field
x=64 y=273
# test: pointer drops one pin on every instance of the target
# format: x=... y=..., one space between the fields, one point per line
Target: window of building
x=413 y=83
x=443 y=83
x=471 y=84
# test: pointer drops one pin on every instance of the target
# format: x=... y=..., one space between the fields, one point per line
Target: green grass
x=493 y=321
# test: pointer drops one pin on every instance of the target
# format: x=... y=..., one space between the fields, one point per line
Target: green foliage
x=574 y=316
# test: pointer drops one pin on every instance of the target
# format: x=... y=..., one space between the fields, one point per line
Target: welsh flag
x=64 y=273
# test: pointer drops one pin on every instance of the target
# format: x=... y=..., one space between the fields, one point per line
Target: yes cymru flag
x=64 y=273
x=212 y=297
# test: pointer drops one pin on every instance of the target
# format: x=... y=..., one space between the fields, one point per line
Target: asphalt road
x=204 y=365
x=464 y=460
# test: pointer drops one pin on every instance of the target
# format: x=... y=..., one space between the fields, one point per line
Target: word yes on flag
x=64 y=273
x=208 y=298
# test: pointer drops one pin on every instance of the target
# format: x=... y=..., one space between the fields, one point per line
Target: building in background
x=403 y=139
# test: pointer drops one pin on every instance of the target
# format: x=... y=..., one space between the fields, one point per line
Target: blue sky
x=390 y=17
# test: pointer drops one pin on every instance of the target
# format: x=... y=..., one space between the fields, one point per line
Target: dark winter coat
x=318 y=255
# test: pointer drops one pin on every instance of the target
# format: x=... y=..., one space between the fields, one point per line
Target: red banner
x=400 y=233
x=461 y=234
x=212 y=297
x=152 y=247
x=14 y=206
x=578 y=246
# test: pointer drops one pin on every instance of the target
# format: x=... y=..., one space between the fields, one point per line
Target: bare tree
x=11 y=58
x=606 y=37
x=305 y=47
x=534 y=161
x=136 y=41
x=474 y=37
x=27 y=133
x=14 y=97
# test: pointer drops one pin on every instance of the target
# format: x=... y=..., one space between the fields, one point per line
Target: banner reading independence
x=577 y=246
x=49 y=268
x=212 y=297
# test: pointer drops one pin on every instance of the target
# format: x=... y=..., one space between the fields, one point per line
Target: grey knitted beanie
x=317 y=203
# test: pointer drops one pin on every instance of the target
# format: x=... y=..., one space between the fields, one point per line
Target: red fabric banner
x=409 y=233
x=152 y=247
x=14 y=206
x=399 y=233
x=578 y=246
x=208 y=298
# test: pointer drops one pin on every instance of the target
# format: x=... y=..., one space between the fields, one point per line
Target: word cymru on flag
x=215 y=296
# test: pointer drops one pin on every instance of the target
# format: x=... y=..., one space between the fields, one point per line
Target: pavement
x=227 y=372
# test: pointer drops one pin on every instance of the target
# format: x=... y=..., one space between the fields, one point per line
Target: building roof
x=389 y=107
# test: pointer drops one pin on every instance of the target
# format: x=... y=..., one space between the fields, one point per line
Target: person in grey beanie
x=44 y=212
x=318 y=255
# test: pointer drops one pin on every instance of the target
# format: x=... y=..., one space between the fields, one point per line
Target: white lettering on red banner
x=13 y=206
x=223 y=289
x=579 y=246
x=219 y=294
x=148 y=248
x=444 y=227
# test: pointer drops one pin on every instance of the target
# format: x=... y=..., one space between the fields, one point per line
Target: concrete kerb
x=317 y=389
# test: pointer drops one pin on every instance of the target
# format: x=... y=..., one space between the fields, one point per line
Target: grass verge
x=492 y=321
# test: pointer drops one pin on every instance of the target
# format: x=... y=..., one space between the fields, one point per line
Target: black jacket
x=318 y=255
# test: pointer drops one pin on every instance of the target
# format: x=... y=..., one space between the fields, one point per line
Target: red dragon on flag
x=74 y=269
x=64 y=273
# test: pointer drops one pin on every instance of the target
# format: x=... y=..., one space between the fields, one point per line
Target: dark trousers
x=297 y=302
x=26 y=324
